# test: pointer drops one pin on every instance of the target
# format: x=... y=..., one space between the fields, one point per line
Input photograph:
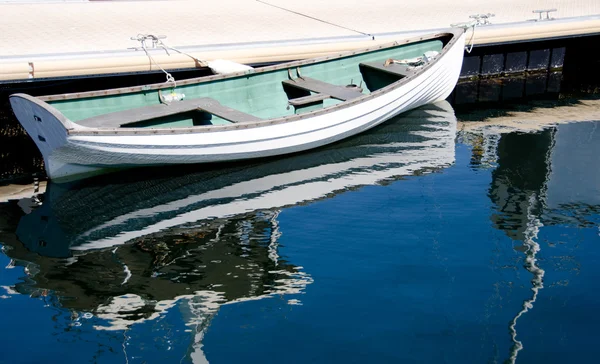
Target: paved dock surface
x=67 y=27
x=46 y=30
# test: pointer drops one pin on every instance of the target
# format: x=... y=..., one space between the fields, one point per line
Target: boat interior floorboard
x=132 y=116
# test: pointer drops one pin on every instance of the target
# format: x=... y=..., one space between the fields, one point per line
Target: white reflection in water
x=531 y=232
x=291 y=188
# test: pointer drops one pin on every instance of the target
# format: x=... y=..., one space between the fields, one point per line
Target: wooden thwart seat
x=320 y=87
x=131 y=116
x=307 y=100
x=392 y=69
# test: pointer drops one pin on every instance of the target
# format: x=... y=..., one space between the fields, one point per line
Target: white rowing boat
x=257 y=113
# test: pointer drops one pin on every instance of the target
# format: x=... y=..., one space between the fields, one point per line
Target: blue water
x=407 y=244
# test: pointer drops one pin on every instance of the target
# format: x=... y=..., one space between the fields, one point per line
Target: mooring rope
x=317 y=19
x=468 y=49
x=157 y=42
x=466 y=26
x=142 y=39
x=161 y=44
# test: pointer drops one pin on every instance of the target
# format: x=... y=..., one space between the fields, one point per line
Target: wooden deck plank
x=313 y=85
x=310 y=99
x=393 y=69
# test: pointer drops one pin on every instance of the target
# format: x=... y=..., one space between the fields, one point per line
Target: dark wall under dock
x=491 y=76
x=519 y=72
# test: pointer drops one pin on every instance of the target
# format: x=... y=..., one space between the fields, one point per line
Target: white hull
x=69 y=151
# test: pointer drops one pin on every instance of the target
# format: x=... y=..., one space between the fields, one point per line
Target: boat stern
x=47 y=127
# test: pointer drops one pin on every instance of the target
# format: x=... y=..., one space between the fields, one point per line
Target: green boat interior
x=254 y=96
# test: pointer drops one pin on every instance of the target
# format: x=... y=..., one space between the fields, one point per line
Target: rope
x=468 y=49
x=199 y=62
x=413 y=62
x=317 y=19
x=141 y=38
x=156 y=41
x=465 y=26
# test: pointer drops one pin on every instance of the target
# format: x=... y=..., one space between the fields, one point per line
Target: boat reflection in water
x=128 y=251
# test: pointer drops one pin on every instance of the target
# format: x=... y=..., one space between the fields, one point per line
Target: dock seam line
x=317 y=19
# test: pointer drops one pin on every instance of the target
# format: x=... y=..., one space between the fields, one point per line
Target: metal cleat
x=482 y=19
x=144 y=38
x=541 y=11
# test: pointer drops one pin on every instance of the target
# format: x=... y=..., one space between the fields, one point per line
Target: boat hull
x=70 y=151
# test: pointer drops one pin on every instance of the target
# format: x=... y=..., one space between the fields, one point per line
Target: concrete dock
x=44 y=39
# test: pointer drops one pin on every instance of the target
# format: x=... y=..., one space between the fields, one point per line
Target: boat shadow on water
x=128 y=246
